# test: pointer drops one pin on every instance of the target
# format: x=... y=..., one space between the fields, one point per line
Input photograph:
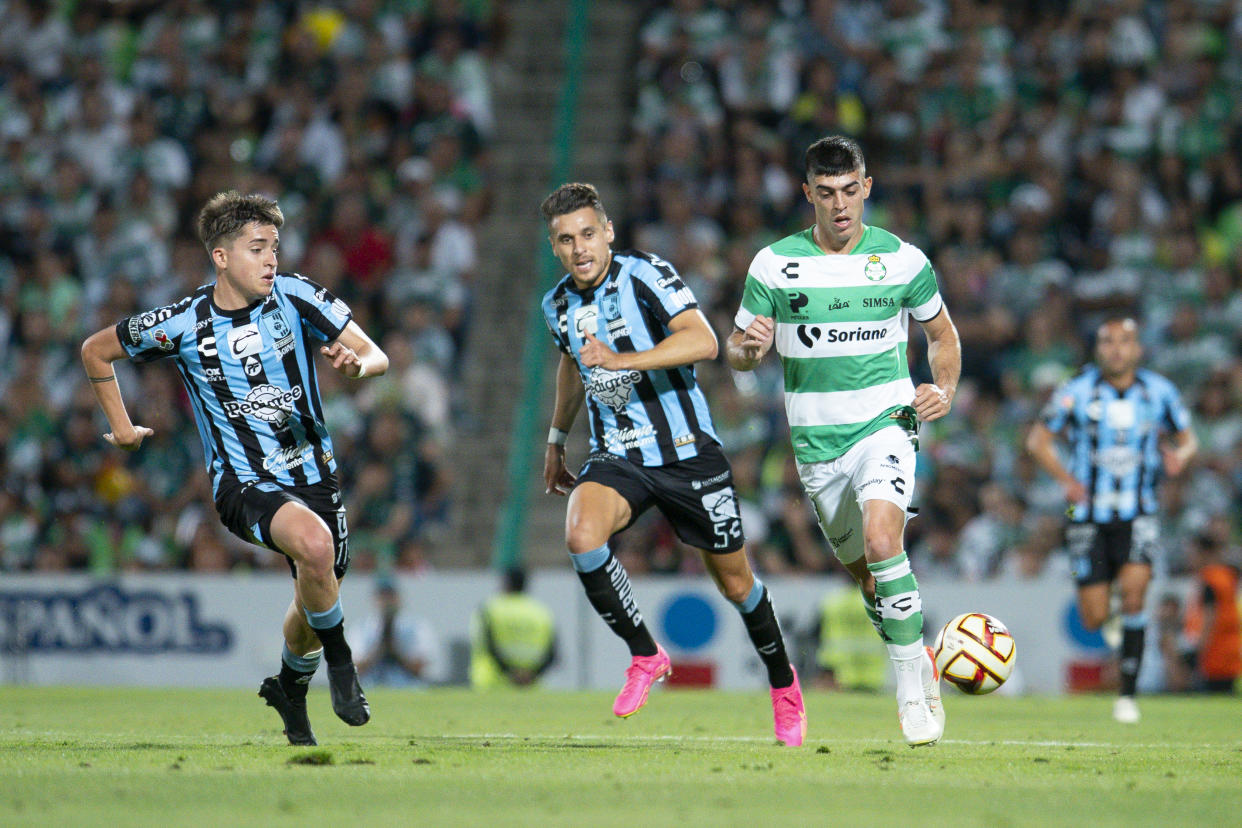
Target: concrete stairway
x=527 y=87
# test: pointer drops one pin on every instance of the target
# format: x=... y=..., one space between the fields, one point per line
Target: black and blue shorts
x=1098 y=550
x=696 y=496
x=247 y=509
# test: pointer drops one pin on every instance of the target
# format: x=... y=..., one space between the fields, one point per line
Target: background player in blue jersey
x=245 y=345
x=630 y=332
x=1125 y=426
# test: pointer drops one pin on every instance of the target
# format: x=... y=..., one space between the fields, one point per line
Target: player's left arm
x=690 y=339
x=1181 y=446
x=354 y=354
x=944 y=353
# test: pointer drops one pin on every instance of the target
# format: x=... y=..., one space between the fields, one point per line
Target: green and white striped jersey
x=841 y=327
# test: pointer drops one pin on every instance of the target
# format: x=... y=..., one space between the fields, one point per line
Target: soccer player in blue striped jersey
x=1125 y=427
x=629 y=332
x=245 y=348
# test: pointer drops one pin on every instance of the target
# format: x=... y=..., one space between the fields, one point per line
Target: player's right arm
x=754 y=326
x=745 y=349
x=569 y=397
x=1041 y=443
x=99 y=351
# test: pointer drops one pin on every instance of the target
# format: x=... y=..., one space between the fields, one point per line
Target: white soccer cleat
x=918 y=724
x=1125 y=710
x=931 y=689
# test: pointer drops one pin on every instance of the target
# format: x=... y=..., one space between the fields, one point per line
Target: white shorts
x=878 y=467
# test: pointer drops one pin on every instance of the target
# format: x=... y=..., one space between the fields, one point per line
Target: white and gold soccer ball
x=975 y=653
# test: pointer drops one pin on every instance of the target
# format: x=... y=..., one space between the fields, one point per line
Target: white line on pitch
x=612 y=737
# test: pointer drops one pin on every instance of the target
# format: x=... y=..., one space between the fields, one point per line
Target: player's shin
x=1133 y=627
x=296 y=671
x=329 y=626
x=901 y=616
x=764 y=630
x=607 y=586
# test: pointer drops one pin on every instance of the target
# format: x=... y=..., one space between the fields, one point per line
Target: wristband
x=557 y=437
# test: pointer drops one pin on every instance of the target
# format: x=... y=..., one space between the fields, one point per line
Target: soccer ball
x=975 y=653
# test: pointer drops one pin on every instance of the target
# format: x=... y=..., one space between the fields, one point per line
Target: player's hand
x=344 y=359
x=595 y=353
x=129 y=441
x=1174 y=462
x=556 y=478
x=1075 y=491
x=757 y=338
x=931 y=402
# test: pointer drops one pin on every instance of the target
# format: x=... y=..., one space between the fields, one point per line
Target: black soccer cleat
x=292 y=712
x=347 y=700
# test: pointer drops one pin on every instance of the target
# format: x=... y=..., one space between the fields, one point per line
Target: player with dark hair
x=630 y=331
x=244 y=345
x=1125 y=426
x=836 y=300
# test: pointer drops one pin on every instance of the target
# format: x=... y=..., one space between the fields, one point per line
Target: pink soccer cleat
x=643 y=672
x=789 y=713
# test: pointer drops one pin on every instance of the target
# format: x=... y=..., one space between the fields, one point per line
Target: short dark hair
x=226 y=214
x=515 y=579
x=834 y=155
x=570 y=197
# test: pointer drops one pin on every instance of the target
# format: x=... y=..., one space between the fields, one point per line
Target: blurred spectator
x=1212 y=626
x=512 y=637
x=393 y=647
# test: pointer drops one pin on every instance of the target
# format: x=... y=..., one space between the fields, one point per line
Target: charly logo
x=612 y=388
x=266 y=402
x=875 y=269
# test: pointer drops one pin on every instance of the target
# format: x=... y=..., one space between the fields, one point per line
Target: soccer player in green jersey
x=836 y=300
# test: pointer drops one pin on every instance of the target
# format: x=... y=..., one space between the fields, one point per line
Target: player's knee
x=313 y=551
x=882 y=543
x=736 y=588
x=1092 y=618
x=583 y=536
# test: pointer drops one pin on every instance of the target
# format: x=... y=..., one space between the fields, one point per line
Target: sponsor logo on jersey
x=879 y=302
x=203 y=323
x=244 y=341
x=585 y=319
x=875 y=269
x=721 y=505
x=711 y=481
x=134 y=331
x=340 y=310
x=840 y=539
x=797 y=301
x=854 y=335
x=252 y=366
x=152 y=318
x=283 y=459
x=838 y=304
x=629 y=438
x=683 y=296
x=266 y=402
x=213 y=374
x=207 y=346
x=684 y=440
x=612 y=388
x=668 y=281
x=162 y=340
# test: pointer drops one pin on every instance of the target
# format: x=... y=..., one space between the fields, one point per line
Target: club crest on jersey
x=611 y=306
x=875 y=269
x=280 y=331
x=612 y=388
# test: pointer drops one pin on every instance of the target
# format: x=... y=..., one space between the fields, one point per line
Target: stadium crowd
x=1058 y=162
x=369 y=121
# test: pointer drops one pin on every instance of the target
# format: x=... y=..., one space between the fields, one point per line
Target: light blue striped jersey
x=651 y=418
x=1114 y=440
x=250 y=376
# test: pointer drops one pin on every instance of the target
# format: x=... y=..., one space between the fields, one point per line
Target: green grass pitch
x=109 y=756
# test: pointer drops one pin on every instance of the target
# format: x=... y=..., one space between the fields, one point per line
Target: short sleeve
x=154 y=334
x=662 y=289
x=323 y=315
x=756 y=301
x=1177 y=415
x=923 y=298
x=1058 y=409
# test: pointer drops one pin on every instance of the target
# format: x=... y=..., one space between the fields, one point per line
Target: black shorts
x=695 y=495
x=246 y=510
x=1099 y=550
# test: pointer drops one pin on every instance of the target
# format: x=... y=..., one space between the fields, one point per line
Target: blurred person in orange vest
x=1212 y=617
